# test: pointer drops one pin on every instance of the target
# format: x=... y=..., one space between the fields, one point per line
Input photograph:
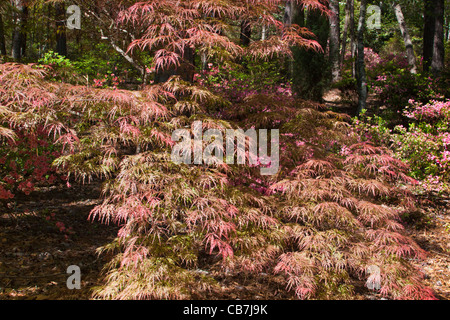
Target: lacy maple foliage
x=321 y=222
x=330 y=213
x=173 y=27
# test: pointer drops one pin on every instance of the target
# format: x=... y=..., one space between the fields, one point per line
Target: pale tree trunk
x=348 y=24
x=288 y=13
x=437 y=63
x=264 y=31
x=360 y=64
x=287 y=21
x=122 y=52
x=126 y=56
x=406 y=38
x=334 y=41
x=204 y=60
x=447 y=33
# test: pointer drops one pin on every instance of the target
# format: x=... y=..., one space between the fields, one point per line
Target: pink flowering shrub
x=393 y=83
x=372 y=59
x=108 y=80
x=432 y=112
x=424 y=145
x=27 y=149
x=26 y=162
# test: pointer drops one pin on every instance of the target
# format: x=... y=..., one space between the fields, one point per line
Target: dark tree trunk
x=2 y=38
x=48 y=41
x=360 y=64
x=310 y=67
x=61 y=39
x=334 y=41
x=428 y=33
x=16 y=47
x=353 y=38
x=23 y=37
x=348 y=24
x=186 y=70
x=19 y=32
x=246 y=33
x=299 y=17
x=437 y=62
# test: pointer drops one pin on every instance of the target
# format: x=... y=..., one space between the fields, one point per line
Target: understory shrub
x=26 y=150
x=325 y=220
x=393 y=83
x=423 y=145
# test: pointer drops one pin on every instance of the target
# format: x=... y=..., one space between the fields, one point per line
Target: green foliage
x=424 y=144
x=447 y=227
x=252 y=75
x=102 y=60
x=55 y=60
x=395 y=85
x=63 y=70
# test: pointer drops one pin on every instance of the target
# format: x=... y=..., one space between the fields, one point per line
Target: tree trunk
x=288 y=13
x=428 y=33
x=263 y=31
x=406 y=38
x=353 y=47
x=299 y=17
x=448 y=31
x=310 y=67
x=437 y=62
x=2 y=38
x=126 y=56
x=186 y=70
x=61 y=40
x=23 y=38
x=447 y=27
x=334 y=41
x=246 y=33
x=347 y=25
x=287 y=21
x=19 y=36
x=360 y=64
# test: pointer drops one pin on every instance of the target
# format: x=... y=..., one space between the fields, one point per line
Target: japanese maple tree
x=329 y=214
